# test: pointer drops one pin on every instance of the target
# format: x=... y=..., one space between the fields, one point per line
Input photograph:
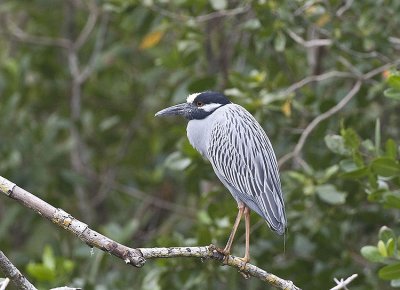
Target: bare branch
x=223 y=13
x=315 y=78
x=20 y=35
x=308 y=43
x=380 y=69
x=98 y=46
x=14 y=274
x=314 y=123
x=89 y=26
x=341 y=284
x=344 y=8
x=4 y=284
x=201 y=18
x=132 y=256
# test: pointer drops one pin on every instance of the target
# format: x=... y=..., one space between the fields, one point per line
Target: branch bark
x=135 y=257
x=14 y=274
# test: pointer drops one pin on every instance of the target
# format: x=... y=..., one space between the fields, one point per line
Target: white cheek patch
x=191 y=97
x=210 y=107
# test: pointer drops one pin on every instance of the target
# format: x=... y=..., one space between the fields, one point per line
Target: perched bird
x=241 y=155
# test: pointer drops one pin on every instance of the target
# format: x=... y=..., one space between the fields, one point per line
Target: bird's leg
x=228 y=246
x=246 y=212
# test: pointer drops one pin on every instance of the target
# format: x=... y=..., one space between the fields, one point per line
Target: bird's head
x=198 y=106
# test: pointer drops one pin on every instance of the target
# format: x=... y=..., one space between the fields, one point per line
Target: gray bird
x=241 y=155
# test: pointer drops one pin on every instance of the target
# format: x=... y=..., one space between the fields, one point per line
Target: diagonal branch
x=14 y=274
x=135 y=257
x=339 y=106
x=314 y=123
x=22 y=36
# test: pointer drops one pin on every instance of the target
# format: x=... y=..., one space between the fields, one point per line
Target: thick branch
x=14 y=274
x=135 y=257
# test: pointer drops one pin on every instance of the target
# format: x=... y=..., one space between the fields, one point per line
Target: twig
x=344 y=8
x=341 y=284
x=201 y=18
x=14 y=274
x=308 y=43
x=132 y=256
x=98 y=46
x=66 y=288
x=4 y=284
x=314 y=123
x=315 y=78
x=89 y=26
x=20 y=35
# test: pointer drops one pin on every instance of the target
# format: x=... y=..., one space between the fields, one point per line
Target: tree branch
x=22 y=36
x=308 y=43
x=333 y=110
x=132 y=256
x=4 y=284
x=314 y=123
x=14 y=274
x=341 y=284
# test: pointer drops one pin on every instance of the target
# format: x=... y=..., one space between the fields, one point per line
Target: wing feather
x=243 y=158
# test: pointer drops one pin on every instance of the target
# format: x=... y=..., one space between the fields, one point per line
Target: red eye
x=199 y=104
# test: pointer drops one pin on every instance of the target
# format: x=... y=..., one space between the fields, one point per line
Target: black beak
x=180 y=109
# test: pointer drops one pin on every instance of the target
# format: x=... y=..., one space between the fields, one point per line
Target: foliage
x=79 y=87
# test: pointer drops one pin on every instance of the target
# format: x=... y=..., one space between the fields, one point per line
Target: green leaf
x=392 y=199
x=108 y=123
x=390 y=272
x=40 y=272
x=280 y=42
x=371 y=253
x=49 y=260
x=377 y=136
x=335 y=143
x=390 y=246
x=394 y=81
x=382 y=249
x=358 y=173
x=391 y=149
x=392 y=93
x=351 y=139
x=376 y=196
x=329 y=194
x=386 y=233
x=175 y=161
x=385 y=167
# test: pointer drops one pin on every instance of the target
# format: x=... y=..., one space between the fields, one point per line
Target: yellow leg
x=246 y=257
x=228 y=246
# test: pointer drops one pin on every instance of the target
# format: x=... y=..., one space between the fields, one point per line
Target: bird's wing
x=242 y=156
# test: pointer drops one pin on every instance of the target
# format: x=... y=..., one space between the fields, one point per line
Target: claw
x=242 y=268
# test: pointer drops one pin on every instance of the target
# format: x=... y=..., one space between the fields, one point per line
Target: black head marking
x=204 y=104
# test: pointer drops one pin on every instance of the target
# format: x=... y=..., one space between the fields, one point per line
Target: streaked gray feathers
x=243 y=159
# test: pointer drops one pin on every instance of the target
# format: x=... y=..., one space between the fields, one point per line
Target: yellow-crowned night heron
x=241 y=156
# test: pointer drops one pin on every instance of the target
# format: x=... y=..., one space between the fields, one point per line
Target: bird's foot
x=242 y=267
x=223 y=253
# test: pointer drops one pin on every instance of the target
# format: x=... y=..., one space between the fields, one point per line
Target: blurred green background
x=80 y=82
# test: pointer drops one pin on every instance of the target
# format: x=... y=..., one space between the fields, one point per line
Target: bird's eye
x=199 y=104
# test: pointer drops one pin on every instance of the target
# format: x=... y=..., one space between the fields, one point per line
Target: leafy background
x=80 y=82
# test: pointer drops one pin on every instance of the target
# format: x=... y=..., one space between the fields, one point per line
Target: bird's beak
x=180 y=109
